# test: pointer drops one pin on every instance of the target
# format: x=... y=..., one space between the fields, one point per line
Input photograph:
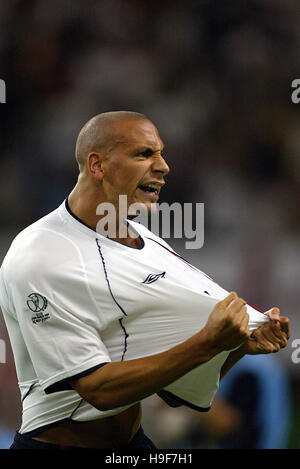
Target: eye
x=146 y=153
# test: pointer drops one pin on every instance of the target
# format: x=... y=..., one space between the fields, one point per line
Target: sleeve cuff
x=64 y=384
x=181 y=401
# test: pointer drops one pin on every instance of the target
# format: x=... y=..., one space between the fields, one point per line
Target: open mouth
x=149 y=188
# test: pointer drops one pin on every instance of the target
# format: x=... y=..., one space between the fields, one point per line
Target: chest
x=153 y=281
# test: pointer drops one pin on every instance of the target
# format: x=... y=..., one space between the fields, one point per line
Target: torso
x=128 y=296
x=111 y=432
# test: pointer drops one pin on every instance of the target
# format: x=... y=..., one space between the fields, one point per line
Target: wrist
x=242 y=350
x=232 y=359
x=207 y=346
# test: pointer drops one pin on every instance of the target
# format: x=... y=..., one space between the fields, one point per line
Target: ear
x=95 y=165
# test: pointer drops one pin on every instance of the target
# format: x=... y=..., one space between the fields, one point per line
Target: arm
x=123 y=383
x=232 y=359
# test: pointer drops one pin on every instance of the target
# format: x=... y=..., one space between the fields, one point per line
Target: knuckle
x=284 y=321
x=229 y=317
x=230 y=309
x=237 y=328
x=226 y=321
x=243 y=331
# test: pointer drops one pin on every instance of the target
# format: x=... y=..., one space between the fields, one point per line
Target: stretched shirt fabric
x=74 y=300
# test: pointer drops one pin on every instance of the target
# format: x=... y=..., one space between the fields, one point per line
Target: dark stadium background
x=216 y=79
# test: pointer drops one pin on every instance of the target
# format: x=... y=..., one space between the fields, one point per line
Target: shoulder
x=39 y=247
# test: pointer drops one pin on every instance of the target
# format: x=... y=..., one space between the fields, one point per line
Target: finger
x=274 y=329
x=285 y=326
x=229 y=298
x=273 y=313
x=238 y=305
x=244 y=326
x=266 y=335
x=275 y=335
x=264 y=343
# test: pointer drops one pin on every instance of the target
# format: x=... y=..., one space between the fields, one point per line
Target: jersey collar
x=70 y=216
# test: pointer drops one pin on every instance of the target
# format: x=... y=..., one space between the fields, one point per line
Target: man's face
x=135 y=166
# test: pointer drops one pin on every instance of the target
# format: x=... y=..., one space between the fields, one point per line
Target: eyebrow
x=146 y=149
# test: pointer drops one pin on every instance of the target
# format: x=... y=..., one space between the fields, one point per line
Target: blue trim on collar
x=87 y=226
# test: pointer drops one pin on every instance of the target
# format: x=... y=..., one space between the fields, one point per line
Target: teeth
x=152 y=186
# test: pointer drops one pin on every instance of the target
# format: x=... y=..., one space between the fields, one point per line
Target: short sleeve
x=55 y=311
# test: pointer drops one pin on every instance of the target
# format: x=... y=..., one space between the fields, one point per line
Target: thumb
x=273 y=313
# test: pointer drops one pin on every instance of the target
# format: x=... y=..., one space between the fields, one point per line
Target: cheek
x=125 y=179
x=125 y=176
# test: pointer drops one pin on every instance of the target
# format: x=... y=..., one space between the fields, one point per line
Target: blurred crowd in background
x=215 y=78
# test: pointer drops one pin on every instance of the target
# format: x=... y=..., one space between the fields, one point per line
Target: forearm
x=232 y=359
x=121 y=383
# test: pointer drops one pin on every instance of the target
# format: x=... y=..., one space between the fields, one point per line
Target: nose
x=160 y=166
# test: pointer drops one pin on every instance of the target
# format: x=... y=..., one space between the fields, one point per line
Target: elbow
x=99 y=400
x=103 y=404
x=96 y=389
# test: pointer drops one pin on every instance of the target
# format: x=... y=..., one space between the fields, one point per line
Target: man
x=83 y=347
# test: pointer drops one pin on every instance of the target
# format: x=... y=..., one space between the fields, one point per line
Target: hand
x=271 y=336
x=227 y=325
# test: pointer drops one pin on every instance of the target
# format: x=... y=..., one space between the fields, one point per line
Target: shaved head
x=102 y=133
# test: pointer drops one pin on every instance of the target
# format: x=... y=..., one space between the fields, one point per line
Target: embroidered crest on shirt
x=153 y=277
x=38 y=303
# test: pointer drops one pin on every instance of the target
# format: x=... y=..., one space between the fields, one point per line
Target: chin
x=146 y=206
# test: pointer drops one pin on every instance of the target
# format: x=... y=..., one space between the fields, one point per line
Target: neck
x=83 y=202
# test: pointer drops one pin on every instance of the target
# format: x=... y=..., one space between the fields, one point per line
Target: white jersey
x=74 y=300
